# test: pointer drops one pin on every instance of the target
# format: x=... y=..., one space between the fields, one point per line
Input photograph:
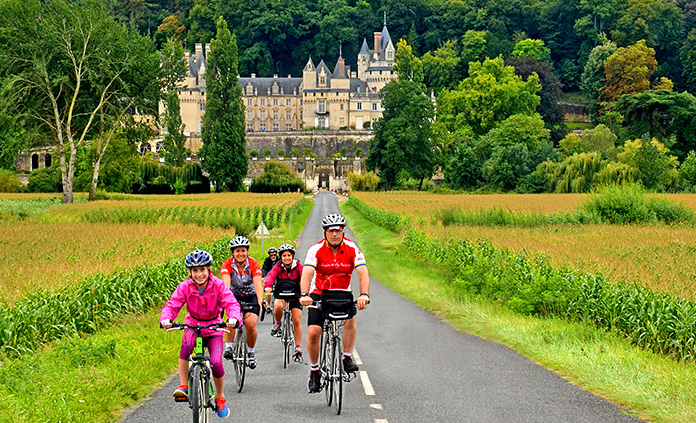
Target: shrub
x=45 y=180
x=253 y=153
x=294 y=152
x=366 y=182
x=281 y=153
x=277 y=177
x=9 y=182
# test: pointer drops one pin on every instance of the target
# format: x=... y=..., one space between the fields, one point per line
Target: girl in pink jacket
x=286 y=274
x=205 y=296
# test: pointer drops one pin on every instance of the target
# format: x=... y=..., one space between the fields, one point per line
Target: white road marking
x=381 y=421
x=356 y=357
x=376 y=406
x=367 y=386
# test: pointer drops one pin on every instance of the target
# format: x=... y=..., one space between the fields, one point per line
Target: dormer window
x=249 y=89
x=275 y=90
x=322 y=80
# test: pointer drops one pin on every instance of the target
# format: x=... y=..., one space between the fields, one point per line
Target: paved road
x=414 y=368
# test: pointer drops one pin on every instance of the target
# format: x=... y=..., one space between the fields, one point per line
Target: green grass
x=656 y=388
x=579 y=125
x=95 y=378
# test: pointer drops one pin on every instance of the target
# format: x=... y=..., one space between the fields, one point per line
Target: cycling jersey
x=279 y=271
x=241 y=283
x=333 y=271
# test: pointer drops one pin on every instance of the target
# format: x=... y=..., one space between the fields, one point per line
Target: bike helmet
x=239 y=241
x=272 y=250
x=333 y=220
x=198 y=258
x=286 y=247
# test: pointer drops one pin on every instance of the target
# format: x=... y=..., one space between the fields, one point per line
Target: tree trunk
x=420 y=185
x=95 y=174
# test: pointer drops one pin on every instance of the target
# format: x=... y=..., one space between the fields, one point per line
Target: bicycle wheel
x=287 y=339
x=326 y=361
x=240 y=358
x=197 y=396
x=337 y=374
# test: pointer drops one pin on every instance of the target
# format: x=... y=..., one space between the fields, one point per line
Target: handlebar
x=317 y=304
x=218 y=327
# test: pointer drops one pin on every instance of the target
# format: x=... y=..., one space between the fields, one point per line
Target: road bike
x=287 y=290
x=201 y=394
x=336 y=311
x=240 y=349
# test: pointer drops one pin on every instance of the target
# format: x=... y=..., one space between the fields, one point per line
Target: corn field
x=656 y=321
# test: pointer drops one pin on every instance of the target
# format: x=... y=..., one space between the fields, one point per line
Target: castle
x=321 y=98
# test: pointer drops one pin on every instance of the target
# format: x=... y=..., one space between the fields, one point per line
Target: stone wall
x=35 y=158
x=323 y=143
x=316 y=173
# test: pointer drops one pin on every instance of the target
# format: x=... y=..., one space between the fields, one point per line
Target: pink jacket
x=206 y=307
x=279 y=272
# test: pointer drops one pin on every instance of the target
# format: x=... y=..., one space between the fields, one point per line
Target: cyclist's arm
x=271 y=276
x=305 y=282
x=364 y=278
x=258 y=286
x=227 y=279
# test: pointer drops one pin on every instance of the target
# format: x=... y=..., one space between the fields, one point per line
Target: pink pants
x=214 y=345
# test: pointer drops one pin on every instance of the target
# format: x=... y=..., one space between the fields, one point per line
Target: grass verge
x=655 y=388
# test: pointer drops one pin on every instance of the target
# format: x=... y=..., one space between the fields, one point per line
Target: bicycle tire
x=287 y=339
x=240 y=358
x=197 y=396
x=326 y=368
x=337 y=374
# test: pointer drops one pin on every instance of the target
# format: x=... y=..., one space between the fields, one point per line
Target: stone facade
x=35 y=158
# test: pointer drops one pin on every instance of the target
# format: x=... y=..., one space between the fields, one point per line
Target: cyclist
x=268 y=264
x=242 y=275
x=288 y=270
x=205 y=296
x=329 y=265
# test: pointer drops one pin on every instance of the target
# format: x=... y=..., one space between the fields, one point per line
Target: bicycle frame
x=201 y=396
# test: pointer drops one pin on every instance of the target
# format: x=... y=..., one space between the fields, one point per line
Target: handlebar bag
x=338 y=305
x=286 y=289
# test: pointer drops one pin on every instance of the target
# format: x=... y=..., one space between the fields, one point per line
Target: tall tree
x=440 y=67
x=402 y=140
x=75 y=74
x=628 y=71
x=222 y=130
x=593 y=76
x=174 y=140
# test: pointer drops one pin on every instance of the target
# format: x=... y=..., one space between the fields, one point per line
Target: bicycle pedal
x=180 y=399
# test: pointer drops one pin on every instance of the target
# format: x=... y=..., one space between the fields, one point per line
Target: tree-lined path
x=414 y=368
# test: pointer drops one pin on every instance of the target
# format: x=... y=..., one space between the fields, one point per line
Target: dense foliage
x=277 y=177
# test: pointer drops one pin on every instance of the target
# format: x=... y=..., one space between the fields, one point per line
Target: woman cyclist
x=205 y=296
x=268 y=264
x=242 y=274
x=287 y=271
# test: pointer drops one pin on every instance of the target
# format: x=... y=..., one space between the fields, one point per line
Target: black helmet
x=239 y=241
x=198 y=258
x=333 y=219
x=272 y=250
x=286 y=247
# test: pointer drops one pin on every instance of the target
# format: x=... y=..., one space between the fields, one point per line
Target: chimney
x=207 y=49
x=342 y=67
x=289 y=76
x=199 y=50
x=253 y=75
x=354 y=75
x=187 y=58
x=378 y=43
x=275 y=75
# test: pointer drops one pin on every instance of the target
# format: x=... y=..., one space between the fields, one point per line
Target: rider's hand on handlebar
x=232 y=323
x=362 y=301
x=268 y=290
x=306 y=301
x=165 y=324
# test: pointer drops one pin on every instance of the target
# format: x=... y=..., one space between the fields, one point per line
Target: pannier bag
x=337 y=305
x=286 y=289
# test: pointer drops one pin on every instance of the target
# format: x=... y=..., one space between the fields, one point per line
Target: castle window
x=275 y=127
x=249 y=102
x=263 y=127
x=358 y=106
x=249 y=89
x=374 y=107
x=202 y=106
x=249 y=115
x=275 y=115
x=288 y=115
x=341 y=106
x=321 y=106
x=275 y=90
x=322 y=123
x=322 y=80
x=288 y=127
x=262 y=102
x=288 y=102
x=262 y=115
x=275 y=101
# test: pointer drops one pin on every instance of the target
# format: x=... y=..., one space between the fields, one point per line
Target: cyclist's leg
x=187 y=343
x=296 y=311
x=315 y=321
x=278 y=310
x=215 y=347
x=250 y=320
x=350 y=332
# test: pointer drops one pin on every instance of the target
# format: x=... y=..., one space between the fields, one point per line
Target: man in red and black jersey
x=328 y=266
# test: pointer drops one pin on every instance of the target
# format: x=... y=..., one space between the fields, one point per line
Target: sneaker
x=275 y=330
x=181 y=392
x=222 y=411
x=269 y=310
x=349 y=365
x=251 y=360
x=297 y=356
x=315 y=381
x=229 y=353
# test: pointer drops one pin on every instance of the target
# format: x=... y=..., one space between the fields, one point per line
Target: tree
x=656 y=168
x=628 y=71
x=402 y=140
x=473 y=48
x=532 y=48
x=440 y=67
x=599 y=139
x=222 y=129
x=489 y=95
x=74 y=74
x=593 y=75
x=174 y=140
x=668 y=116
x=550 y=95
x=688 y=60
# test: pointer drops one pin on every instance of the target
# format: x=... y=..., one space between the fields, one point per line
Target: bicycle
x=331 y=353
x=201 y=396
x=240 y=350
x=287 y=290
